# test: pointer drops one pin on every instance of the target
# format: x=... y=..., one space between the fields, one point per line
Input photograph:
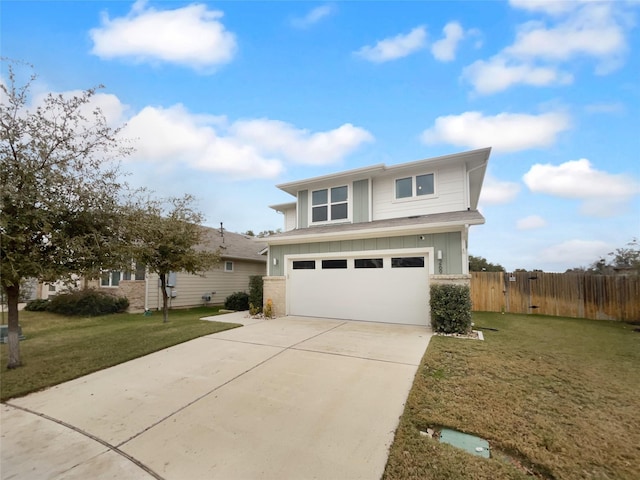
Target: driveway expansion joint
x=102 y=442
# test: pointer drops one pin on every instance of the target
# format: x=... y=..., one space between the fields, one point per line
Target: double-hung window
x=417 y=186
x=330 y=204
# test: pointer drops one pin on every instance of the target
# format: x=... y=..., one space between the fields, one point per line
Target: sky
x=225 y=100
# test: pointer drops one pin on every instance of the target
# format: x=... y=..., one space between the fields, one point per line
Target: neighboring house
x=240 y=259
x=366 y=244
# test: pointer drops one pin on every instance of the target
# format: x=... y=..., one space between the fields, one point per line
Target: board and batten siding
x=360 y=201
x=303 y=208
x=190 y=288
x=449 y=243
x=449 y=194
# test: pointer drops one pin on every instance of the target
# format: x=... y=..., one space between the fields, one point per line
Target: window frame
x=227 y=263
x=414 y=187
x=330 y=203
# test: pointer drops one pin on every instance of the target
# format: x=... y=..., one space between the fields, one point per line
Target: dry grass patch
x=555 y=397
x=59 y=348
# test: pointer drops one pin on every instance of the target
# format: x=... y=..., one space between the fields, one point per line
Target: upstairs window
x=330 y=204
x=411 y=187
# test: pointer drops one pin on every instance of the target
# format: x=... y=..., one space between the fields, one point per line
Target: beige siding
x=189 y=289
x=449 y=194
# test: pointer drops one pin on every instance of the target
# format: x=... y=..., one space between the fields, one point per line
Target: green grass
x=59 y=348
x=556 y=398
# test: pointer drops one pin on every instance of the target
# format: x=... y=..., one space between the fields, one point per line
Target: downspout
x=468 y=185
x=146 y=290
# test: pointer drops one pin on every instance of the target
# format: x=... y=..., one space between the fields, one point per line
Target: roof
x=233 y=245
x=425 y=224
x=475 y=161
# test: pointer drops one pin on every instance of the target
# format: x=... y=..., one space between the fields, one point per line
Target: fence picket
x=603 y=297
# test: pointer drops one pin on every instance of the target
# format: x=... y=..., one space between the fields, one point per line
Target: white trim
x=430 y=251
x=225 y=266
x=414 y=188
x=289 y=259
x=329 y=203
x=443 y=227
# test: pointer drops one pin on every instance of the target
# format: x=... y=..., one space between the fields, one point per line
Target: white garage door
x=391 y=288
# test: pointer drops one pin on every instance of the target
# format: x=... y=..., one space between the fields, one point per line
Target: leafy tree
x=169 y=238
x=59 y=185
x=480 y=264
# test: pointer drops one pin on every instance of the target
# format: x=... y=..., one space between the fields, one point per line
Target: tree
x=480 y=264
x=170 y=240
x=59 y=185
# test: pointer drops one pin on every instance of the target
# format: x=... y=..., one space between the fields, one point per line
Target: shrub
x=451 y=308
x=37 y=305
x=255 y=292
x=87 y=302
x=237 y=301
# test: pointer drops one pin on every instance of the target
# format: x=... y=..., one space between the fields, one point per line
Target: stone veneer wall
x=134 y=290
x=274 y=288
x=450 y=279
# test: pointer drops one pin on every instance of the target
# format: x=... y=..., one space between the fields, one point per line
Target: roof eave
x=394 y=231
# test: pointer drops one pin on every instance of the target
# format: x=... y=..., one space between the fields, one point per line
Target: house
x=240 y=259
x=366 y=244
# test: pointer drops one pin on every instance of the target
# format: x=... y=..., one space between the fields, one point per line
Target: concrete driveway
x=289 y=398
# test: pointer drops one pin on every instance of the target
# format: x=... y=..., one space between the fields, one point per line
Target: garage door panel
x=394 y=295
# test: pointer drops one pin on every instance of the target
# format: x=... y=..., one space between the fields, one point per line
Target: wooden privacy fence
x=602 y=297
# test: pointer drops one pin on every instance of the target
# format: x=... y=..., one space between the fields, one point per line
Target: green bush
x=255 y=292
x=37 y=305
x=88 y=303
x=237 y=301
x=451 y=308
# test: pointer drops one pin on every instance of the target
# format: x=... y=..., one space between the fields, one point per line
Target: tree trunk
x=13 y=295
x=165 y=298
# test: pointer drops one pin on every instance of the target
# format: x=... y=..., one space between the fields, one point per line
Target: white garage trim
x=393 y=295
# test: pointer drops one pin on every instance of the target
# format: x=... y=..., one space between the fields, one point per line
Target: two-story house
x=366 y=244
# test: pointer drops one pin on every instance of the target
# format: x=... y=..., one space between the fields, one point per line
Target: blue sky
x=224 y=100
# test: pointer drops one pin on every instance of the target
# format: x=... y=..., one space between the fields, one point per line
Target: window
x=113 y=278
x=417 y=186
x=407 y=262
x=304 y=265
x=52 y=287
x=424 y=184
x=404 y=187
x=110 y=279
x=330 y=204
x=334 y=264
x=228 y=266
x=367 y=263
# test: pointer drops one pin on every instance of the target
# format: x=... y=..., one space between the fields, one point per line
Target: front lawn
x=556 y=398
x=59 y=348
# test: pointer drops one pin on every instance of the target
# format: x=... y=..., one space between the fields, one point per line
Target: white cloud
x=551 y=7
x=445 y=48
x=497 y=192
x=574 y=252
x=301 y=146
x=499 y=73
x=192 y=36
x=313 y=17
x=603 y=194
x=543 y=49
x=248 y=148
x=505 y=132
x=605 y=107
x=531 y=222
x=591 y=31
x=395 y=47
